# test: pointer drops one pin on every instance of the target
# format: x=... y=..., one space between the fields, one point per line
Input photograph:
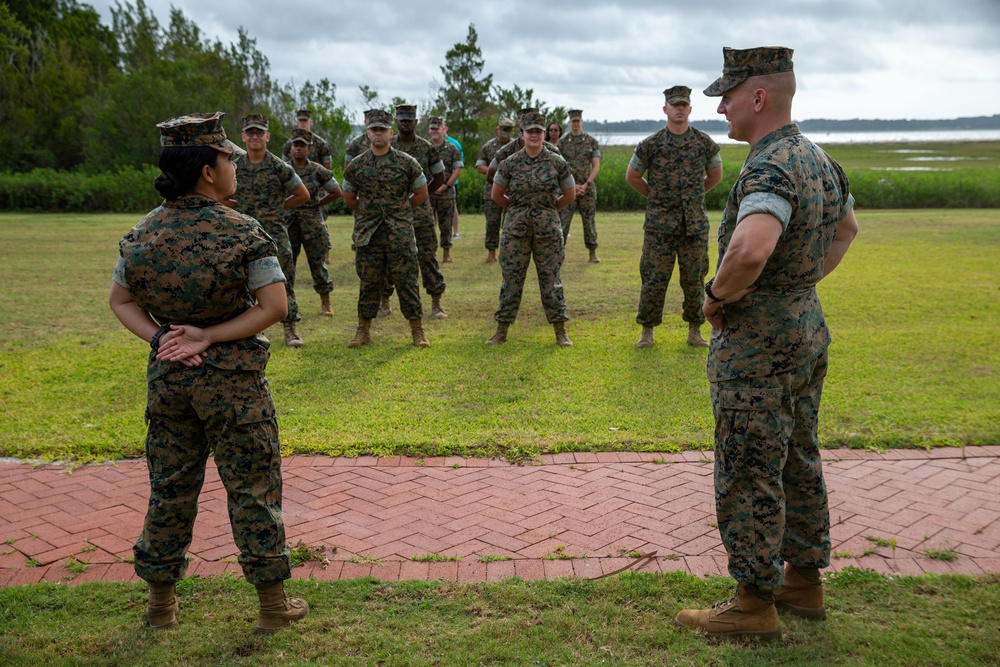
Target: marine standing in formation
x=305 y=224
x=319 y=149
x=384 y=186
x=200 y=282
x=532 y=185
x=583 y=154
x=788 y=223
x=429 y=159
x=267 y=186
x=682 y=164
x=443 y=199
x=491 y=211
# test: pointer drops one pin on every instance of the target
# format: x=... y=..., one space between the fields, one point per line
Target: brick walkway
x=379 y=513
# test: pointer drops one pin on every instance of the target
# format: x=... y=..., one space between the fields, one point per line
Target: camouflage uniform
x=492 y=212
x=531 y=228
x=307 y=228
x=358 y=145
x=181 y=253
x=676 y=225
x=261 y=191
x=319 y=151
x=444 y=204
x=384 y=239
x=578 y=152
x=766 y=367
x=428 y=157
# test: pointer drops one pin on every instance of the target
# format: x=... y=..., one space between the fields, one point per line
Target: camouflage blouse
x=195 y=261
x=383 y=185
x=533 y=185
x=780 y=326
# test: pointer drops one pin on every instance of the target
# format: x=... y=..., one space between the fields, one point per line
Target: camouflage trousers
x=307 y=231
x=424 y=229
x=659 y=250
x=587 y=206
x=444 y=212
x=770 y=497
x=287 y=262
x=515 y=255
x=493 y=215
x=192 y=413
x=388 y=262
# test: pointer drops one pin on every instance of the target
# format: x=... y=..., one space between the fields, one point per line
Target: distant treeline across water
x=812 y=126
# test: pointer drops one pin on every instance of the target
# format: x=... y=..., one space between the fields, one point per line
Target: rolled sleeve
x=119 y=274
x=263 y=272
x=419 y=182
x=637 y=164
x=765 y=202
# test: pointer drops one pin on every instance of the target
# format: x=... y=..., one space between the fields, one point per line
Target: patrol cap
x=406 y=112
x=301 y=136
x=677 y=94
x=575 y=114
x=378 y=118
x=526 y=110
x=303 y=114
x=435 y=122
x=532 y=120
x=198 y=129
x=254 y=120
x=506 y=123
x=741 y=64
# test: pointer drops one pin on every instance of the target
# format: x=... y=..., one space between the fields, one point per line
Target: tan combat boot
x=802 y=593
x=325 y=307
x=593 y=256
x=501 y=334
x=161 y=610
x=436 y=309
x=292 y=338
x=384 y=308
x=694 y=336
x=646 y=339
x=363 y=335
x=743 y=615
x=561 y=338
x=276 y=610
x=491 y=257
x=417 y=333
x=446 y=259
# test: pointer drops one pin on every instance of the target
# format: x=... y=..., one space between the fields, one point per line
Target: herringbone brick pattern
x=378 y=514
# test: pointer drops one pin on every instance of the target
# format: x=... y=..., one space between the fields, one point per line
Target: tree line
x=75 y=94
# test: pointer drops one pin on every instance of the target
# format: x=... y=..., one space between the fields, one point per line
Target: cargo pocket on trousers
x=750 y=432
x=258 y=430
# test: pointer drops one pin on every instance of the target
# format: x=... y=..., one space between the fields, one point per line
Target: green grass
x=914 y=311
x=624 y=620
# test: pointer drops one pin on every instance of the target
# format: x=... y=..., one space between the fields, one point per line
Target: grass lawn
x=914 y=311
x=623 y=620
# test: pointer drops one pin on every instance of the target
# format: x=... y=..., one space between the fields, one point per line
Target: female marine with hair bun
x=199 y=282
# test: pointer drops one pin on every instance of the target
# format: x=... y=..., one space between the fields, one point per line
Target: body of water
x=632 y=139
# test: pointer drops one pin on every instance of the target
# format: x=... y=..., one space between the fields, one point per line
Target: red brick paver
x=570 y=515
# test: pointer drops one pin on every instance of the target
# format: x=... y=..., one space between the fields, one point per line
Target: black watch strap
x=154 y=342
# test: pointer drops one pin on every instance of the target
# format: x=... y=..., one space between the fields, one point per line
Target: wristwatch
x=154 y=342
x=708 y=292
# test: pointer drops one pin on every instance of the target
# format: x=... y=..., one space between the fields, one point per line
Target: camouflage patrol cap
x=435 y=122
x=406 y=112
x=532 y=120
x=303 y=114
x=677 y=94
x=506 y=123
x=301 y=136
x=254 y=120
x=741 y=64
x=198 y=129
x=378 y=118
x=526 y=110
x=575 y=114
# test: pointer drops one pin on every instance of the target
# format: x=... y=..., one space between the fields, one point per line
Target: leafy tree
x=464 y=97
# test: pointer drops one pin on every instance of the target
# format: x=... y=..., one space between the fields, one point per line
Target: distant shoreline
x=813 y=125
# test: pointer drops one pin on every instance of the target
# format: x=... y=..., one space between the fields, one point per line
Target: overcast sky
x=853 y=58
